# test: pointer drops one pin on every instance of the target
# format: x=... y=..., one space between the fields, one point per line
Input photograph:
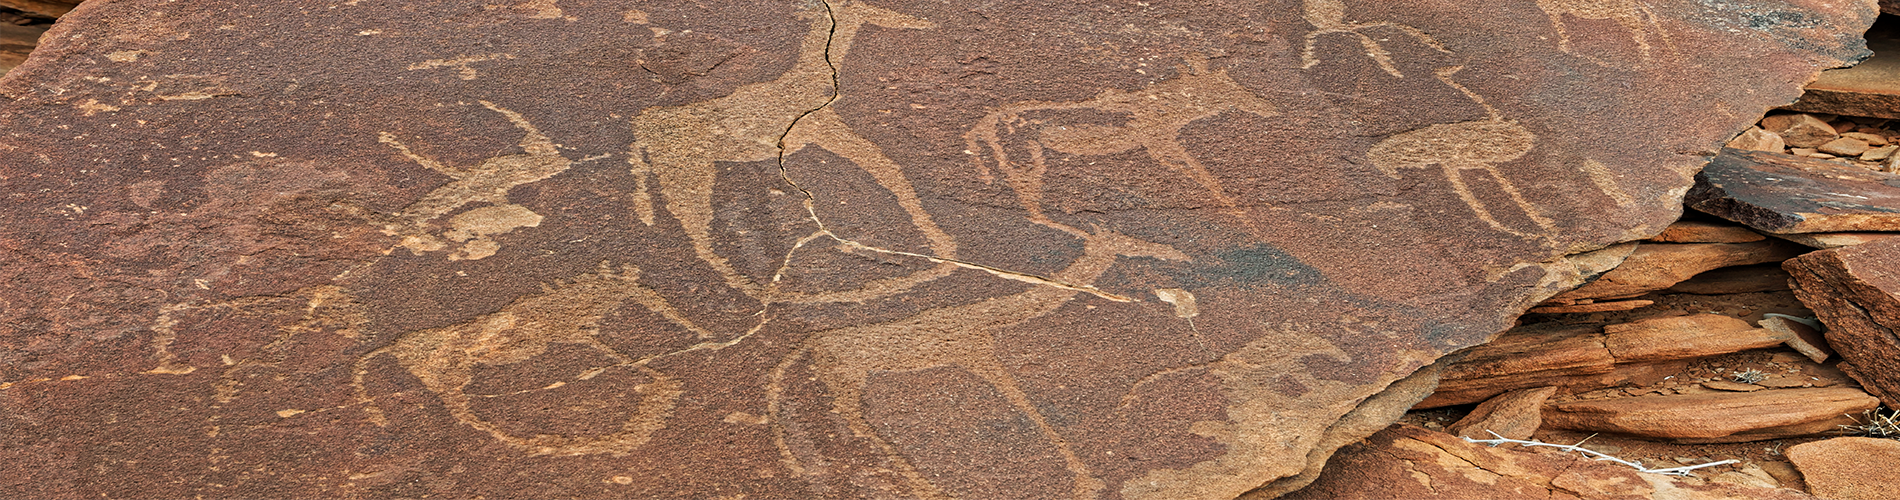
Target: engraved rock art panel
x=813 y=248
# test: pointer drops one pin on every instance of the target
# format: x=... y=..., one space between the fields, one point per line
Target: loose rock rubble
x=1766 y=315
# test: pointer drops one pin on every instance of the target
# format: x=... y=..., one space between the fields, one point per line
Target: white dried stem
x=1670 y=471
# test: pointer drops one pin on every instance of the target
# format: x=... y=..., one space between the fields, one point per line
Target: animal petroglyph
x=444 y=359
x=487 y=182
x=324 y=307
x=1329 y=16
x=960 y=336
x=1156 y=116
x=1633 y=15
x=679 y=146
x=1457 y=147
x=1264 y=382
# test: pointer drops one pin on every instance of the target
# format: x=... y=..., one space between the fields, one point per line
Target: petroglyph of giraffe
x=487 y=182
x=1156 y=116
x=1329 y=16
x=1633 y=15
x=444 y=359
x=1461 y=146
x=960 y=336
x=679 y=146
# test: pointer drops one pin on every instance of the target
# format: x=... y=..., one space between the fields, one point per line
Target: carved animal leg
x=1518 y=197
x=688 y=190
x=1174 y=156
x=1454 y=175
x=846 y=384
x=1086 y=485
x=1638 y=31
x=827 y=130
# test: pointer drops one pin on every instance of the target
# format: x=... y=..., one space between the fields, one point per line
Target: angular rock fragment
x=1800 y=130
x=1513 y=415
x=1739 y=279
x=1845 y=146
x=1658 y=266
x=1849 y=468
x=1705 y=232
x=1785 y=194
x=1714 y=417
x=1620 y=305
x=810 y=249
x=1834 y=240
x=1801 y=337
x=1409 y=462
x=1756 y=139
x=1856 y=293
x=1682 y=337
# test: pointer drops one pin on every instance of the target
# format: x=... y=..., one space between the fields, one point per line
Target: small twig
x=1671 y=471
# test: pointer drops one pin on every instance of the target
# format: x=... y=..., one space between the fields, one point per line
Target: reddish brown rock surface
x=1407 y=462
x=561 y=248
x=1856 y=293
x=1849 y=468
x=1715 y=417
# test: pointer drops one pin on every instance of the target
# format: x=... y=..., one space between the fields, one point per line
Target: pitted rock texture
x=812 y=249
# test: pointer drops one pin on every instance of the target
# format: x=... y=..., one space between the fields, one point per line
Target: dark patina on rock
x=1782 y=193
x=841 y=249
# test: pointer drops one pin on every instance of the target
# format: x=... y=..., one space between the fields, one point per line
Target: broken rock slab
x=1779 y=193
x=1512 y=415
x=809 y=249
x=1683 y=337
x=1689 y=231
x=1658 y=266
x=1871 y=88
x=1849 y=468
x=1410 y=462
x=1714 y=417
x=1834 y=240
x=1856 y=293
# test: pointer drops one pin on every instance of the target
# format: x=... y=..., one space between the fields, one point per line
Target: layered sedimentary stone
x=1414 y=463
x=811 y=249
x=1856 y=293
x=1779 y=193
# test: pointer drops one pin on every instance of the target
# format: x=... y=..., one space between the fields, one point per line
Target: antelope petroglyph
x=1633 y=15
x=1157 y=114
x=680 y=146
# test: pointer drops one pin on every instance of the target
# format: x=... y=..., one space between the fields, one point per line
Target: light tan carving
x=487 y=182
x=679 y=146
x=1457 y=147
x=1263 y=431
x=324 y=307
x=1156 y=116
x=444 y=359
x=960 y=336
x=1633 y=15
x=1329 y=16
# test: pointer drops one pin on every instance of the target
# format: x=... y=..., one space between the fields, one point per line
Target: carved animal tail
x=642 y=199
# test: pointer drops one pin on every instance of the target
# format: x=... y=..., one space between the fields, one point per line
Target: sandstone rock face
x=1856 y=292
x=1849 y=468
x=1408 y=462
x=1711 y=417
x=810 y=249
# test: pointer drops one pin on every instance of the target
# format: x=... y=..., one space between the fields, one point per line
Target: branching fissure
x=811 y=209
